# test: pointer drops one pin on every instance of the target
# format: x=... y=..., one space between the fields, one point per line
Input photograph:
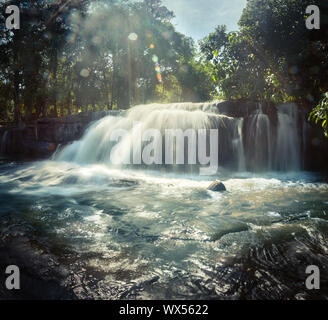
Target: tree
x=320 y=113
x=73 y=56
x=273 y=56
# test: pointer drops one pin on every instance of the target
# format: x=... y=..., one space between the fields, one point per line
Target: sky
x=197 y=18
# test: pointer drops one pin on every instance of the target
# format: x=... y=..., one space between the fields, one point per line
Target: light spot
x=84 y=73
x=133 y=36
x=155 y=58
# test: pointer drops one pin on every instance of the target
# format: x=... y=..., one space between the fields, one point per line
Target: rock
x=217 y=186
x=234 y=228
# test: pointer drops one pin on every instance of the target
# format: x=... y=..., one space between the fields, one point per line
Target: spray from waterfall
x=255 y=143
x=288 y=155
x=238 y=145
x=260 y=140
x=187 y=133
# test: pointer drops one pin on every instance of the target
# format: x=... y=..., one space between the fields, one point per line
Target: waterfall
x=255 y=143
x=238 y=145
x=288 y=155
x=99 y=146
x=260 y=142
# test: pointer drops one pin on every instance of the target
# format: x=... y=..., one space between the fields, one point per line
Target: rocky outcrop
x=217 y=186
x=41 y=138
x=244 y=108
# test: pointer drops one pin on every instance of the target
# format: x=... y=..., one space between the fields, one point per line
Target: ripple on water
x=124 y=234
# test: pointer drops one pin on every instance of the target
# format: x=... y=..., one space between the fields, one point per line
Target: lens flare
x=155 y=59
x=84 y=73
x=133 y=36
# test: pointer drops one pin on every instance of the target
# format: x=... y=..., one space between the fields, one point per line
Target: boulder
x=217 y=186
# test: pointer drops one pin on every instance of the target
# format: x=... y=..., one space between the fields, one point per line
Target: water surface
x=88 y=231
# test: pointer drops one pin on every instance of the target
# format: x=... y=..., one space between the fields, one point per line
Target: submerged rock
x=229 y=229
x=217 y=186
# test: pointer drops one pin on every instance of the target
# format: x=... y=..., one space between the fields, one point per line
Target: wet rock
x=217 y=186
x=243 y=108
x=235 y=228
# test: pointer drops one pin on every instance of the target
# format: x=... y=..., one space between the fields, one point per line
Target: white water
x=265 y=152
x=260 y=136
x=288 y=156
x=238 y=145
x=97 y=146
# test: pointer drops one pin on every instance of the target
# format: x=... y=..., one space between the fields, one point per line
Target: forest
x=76 y=56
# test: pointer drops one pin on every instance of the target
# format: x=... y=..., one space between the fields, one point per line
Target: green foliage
x=87 y=55
x=320 y=113
x=272 y=57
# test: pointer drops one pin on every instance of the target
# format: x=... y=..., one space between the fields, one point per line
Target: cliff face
x=40 y=139
x=264 y=129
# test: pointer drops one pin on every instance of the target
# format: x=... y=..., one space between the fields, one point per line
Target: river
x=89 y=230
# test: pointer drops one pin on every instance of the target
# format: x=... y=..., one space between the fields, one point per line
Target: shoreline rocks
x=217 y=186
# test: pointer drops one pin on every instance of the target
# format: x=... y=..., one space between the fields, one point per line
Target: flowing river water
x=82 y=228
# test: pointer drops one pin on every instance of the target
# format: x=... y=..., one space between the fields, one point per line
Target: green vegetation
x=320 y=113
x=73 y=56
x=273 y=56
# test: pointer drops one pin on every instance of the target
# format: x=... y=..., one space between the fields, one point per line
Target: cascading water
x=260 y=142
x=238 y=145
x=258 y=152
x=288 y=156
x=97 y=146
